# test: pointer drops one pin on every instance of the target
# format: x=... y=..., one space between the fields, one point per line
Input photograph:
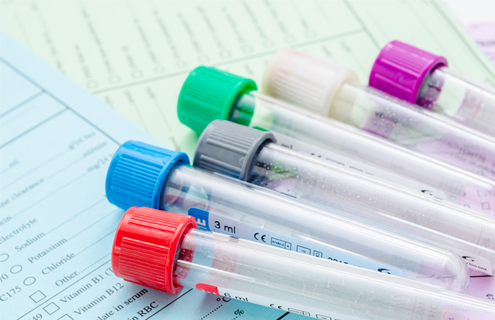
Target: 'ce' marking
x=273 y=306
x=262 y=237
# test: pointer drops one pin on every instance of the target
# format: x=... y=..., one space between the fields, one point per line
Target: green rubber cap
x=208 y=94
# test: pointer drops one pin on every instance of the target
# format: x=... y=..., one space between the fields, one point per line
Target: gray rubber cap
x=229 y=148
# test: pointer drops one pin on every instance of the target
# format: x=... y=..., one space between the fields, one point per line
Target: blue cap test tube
x=144 y=175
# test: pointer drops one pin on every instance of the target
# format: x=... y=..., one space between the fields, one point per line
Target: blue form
x=57 y=227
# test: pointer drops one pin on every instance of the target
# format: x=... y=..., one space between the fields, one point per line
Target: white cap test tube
x=163 y=250
x=145 y=175
x=210 y=94
x=332 y=90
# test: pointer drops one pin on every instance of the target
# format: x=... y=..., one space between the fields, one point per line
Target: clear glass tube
x=188 y=188
x=460 y=186
x=465 y=101
x=306 y=285
x=286 y=171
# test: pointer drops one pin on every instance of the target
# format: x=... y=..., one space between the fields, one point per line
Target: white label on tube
x=282 y=305
x=451 y=97
x=216 y=223
x=478 y=263
x=422 y=309
x=360 y=168
x=262 y=117
x=362 y=110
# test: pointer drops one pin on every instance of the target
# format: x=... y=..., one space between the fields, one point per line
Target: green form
x=135 y=55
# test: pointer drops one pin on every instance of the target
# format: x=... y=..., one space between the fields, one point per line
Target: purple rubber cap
x=400 y=69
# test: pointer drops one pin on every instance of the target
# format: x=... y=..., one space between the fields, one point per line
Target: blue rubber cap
x=137 y=173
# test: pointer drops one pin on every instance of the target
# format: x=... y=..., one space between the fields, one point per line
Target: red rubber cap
x=145 y=246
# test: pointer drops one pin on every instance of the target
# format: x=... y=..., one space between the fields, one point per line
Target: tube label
x=213 y=222
x=425 y=307
x=359 y=167
x=442 y=143
x=478 y=263
x=273 y=303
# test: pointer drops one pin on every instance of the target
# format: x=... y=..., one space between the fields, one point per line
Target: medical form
x=136 y=54
x=57 y=227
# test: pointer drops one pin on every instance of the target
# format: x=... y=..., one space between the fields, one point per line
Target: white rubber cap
x=304 y=80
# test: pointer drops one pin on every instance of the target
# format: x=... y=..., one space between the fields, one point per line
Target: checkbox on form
x=51 y=308
x=37 y=296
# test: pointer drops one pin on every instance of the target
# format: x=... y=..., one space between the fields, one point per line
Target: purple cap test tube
x=421 y=77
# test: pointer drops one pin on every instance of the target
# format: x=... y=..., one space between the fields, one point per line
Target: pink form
x=484 y=34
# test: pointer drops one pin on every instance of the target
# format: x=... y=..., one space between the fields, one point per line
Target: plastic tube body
x=302 y=284
x=289 y=172
x=463 y=100
x=410 y=127
x=460 y=186
x=250 y=205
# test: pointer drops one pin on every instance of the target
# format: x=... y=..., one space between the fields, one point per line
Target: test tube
x=163 y=250
x=251 y=155
x=317 y=84
x=421 y=77
x=210 y=94
x=144 y=175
